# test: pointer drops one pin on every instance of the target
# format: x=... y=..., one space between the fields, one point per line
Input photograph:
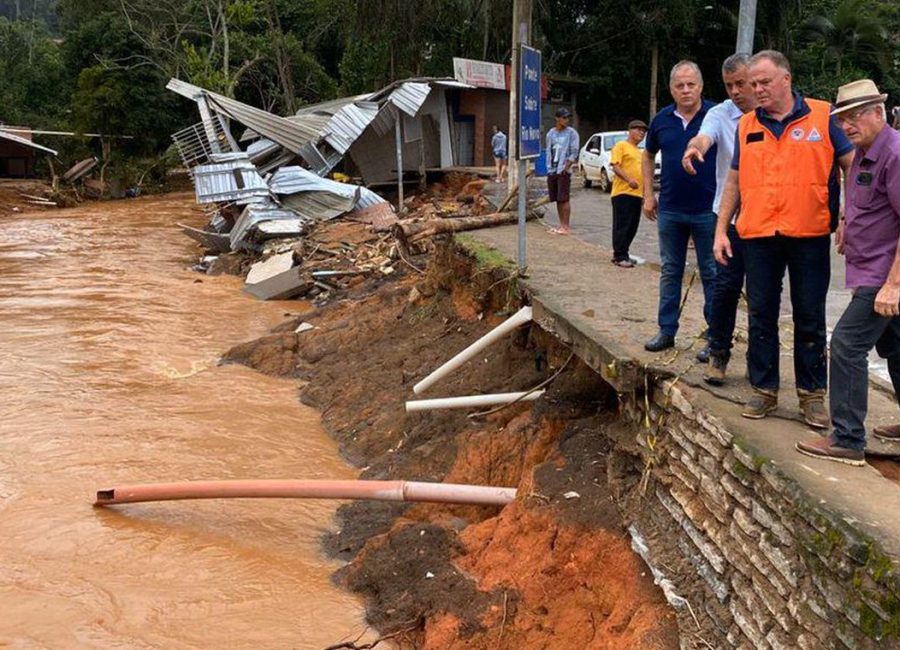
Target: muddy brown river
x=109 y=375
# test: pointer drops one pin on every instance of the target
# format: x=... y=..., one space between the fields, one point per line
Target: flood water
x=108 y=375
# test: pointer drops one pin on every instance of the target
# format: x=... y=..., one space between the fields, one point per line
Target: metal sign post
x=529 y=132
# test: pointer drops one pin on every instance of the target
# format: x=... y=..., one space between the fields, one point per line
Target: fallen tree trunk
x=410 y=231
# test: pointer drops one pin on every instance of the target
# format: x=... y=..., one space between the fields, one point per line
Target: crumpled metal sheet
x=292 y=135
x=409 y=96
x=320 y=205
x=235 y=180
x=255 y=214
x=348 y=123
x=292 y=181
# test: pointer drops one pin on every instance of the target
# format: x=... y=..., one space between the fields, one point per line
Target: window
x=611 y=140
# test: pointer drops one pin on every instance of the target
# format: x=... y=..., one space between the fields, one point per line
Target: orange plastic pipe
x=309 y=489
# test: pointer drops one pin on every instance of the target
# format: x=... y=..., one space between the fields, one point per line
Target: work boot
x=812 y=406
x=825 y=448
x=887 y=432
x=715 y=371
x=763 y=402
x=659 y=343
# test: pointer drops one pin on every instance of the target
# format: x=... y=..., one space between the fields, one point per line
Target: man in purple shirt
x=868 y=236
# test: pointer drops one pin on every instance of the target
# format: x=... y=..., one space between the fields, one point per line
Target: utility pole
x=746 y=27
x=521 y=33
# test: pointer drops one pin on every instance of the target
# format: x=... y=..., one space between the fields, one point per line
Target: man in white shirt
x=719 y=128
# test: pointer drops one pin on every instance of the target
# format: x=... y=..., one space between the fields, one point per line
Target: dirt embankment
x=552 y=570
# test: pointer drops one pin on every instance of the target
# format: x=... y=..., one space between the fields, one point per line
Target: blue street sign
x=529 y=103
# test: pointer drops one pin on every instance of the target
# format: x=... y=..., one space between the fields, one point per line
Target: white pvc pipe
x=521 y=317
x=309 y=489
x=470 y=401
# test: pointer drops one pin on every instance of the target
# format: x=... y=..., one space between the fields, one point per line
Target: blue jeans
x=858 y=331
x=726 y=295
x=675 y=229
x=807 y=259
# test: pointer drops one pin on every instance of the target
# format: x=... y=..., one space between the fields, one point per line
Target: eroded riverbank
x=108 y=369
x=554 y=569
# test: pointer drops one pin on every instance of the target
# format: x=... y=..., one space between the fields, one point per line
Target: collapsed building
x=261 y=176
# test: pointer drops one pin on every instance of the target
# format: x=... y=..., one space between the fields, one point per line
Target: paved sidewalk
x=606 y=313
x=592 y=223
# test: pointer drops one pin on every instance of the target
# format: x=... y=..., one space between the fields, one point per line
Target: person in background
x=718 y=129
x=784 y=171
x=685 y=201
x=562 y=152
x=627 y=192
x=868 y=236
x=498 y=147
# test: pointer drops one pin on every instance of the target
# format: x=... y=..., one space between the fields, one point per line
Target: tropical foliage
x=102 y=65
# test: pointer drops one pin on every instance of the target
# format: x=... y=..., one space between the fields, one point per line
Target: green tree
x=851 y=35
x=34 y=85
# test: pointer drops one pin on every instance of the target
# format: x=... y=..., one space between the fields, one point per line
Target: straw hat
x=856 y=94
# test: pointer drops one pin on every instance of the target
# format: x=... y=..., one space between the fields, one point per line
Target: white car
x=593 y=161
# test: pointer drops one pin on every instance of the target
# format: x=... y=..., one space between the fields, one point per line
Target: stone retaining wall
x=772 y=568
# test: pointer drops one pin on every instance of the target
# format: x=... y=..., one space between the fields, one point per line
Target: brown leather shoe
x=887 y=432
x=762 y=403
x=812 y=406
x=824 y=448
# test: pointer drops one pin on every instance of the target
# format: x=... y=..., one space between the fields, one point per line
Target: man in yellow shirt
x=627 y=192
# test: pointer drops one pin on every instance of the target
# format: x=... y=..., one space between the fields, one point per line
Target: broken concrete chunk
x=270 y=267
x=275 y=279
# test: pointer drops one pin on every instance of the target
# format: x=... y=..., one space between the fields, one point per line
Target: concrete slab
x=275 y=278
x=607 y=313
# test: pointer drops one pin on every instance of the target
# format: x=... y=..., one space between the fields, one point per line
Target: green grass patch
x=485 y=256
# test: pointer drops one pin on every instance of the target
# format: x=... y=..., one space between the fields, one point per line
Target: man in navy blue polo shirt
x=685 y=201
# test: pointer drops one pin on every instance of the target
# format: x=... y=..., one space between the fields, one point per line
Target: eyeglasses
x=852 y=117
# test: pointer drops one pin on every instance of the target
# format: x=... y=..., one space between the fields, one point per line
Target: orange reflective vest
x=784 y=182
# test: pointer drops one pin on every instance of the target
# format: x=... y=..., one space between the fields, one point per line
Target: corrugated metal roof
x=384 y=121
x=318 y=205
x=348 y=123
x=409 y=96
x=290 y=134
x=255 y=214
x=295 y=180
x=184 y=89
x=6 y=135
x=368 y=198
x=332 y=106
x=235 y=180
x=308 y=194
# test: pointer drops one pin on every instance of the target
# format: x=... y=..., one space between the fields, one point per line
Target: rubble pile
x=324 y=259
x=269 y=199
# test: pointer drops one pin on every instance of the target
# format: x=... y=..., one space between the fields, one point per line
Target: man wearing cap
x=784 y=173
x=868 y=237
x=685 y=202
x=627 y=192
x=562 y=153
x=718 y=129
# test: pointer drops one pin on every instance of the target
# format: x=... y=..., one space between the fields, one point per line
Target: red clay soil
x=548 y=571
